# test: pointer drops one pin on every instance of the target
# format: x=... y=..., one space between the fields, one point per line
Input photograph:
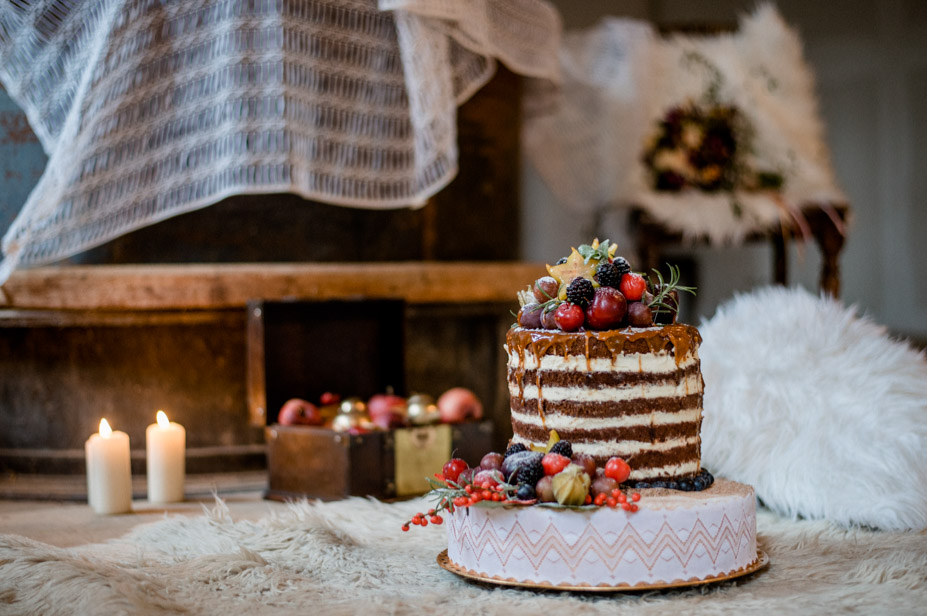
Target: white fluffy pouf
x=817 y=408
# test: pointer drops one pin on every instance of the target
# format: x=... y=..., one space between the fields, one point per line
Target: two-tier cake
x=602 y=485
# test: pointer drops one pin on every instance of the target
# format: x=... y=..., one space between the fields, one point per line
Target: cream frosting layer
x=673 y=537
x=660 y=362
x=687 y=386
x=556 y=421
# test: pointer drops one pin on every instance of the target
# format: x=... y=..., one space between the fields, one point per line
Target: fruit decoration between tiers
x=552 y=476
x=594 y=288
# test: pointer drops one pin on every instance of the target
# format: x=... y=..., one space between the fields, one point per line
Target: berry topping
x=580 y=291
x=586 y=462
x=607 y=275
x=548 y=316
x=603 y=485
x=569 y=317
x=607 y=309
x=561 y=261
x=545 y=489
x=622 y=265
x=530 y=316
x=525 y=492
x=564 y=448
x=617 y=469
x=633 y=286
x=545 y=288
x=513 y=464
x=639 y=315
x=492 y=461
x=553 y=463
x=529 y=472
x=515 y=448
x=453 y=468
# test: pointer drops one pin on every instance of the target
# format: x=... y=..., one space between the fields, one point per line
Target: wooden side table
x=651 y=236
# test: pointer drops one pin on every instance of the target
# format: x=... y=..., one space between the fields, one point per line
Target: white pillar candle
x=109 y=470
x=165 y=446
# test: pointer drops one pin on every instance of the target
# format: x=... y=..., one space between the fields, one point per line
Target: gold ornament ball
x=422 y=410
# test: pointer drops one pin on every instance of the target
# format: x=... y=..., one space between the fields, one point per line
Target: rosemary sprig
x=664 y=291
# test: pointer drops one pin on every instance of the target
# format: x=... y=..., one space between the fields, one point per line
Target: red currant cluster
x=422 y=519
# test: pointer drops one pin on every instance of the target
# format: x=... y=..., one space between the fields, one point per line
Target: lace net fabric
x=588 y=136
x=151 y=108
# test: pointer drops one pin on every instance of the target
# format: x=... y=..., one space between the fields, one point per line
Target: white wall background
x=870 y=59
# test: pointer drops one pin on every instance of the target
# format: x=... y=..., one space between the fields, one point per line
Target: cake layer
x=674 y=537
x=633 y=393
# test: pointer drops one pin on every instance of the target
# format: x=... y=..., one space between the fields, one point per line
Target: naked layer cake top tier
x=635 y=393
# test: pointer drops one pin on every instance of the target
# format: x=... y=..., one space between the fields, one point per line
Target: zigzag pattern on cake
x=609 y=548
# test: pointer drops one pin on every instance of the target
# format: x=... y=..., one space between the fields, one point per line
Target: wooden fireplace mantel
x=229 y=286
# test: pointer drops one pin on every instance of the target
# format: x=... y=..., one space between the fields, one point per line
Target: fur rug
x=351 y=557
x=817 y=408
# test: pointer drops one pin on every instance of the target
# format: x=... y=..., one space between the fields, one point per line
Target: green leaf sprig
x=589 y=253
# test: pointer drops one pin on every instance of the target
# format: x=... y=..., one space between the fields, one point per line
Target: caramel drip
x=681 y=338
x=588 y=359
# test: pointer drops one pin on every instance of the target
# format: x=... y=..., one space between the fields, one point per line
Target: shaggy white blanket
x=351 y=557
x=817 y=408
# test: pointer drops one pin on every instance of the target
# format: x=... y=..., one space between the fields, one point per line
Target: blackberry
x=528 y=473
x=606 y=274
x=514 y=462
x=564 y=448
x=580 y=291
x=515 y=448
x=623 y=266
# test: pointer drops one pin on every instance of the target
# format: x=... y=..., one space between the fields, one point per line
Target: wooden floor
x=54 y=510
x=74 y=487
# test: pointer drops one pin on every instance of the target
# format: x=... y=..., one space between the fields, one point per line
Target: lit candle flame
x=163 y=421
x=105 y=430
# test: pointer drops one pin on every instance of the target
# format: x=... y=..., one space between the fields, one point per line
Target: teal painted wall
x=22 y=160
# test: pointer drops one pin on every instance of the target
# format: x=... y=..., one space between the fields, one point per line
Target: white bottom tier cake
x=674 y=537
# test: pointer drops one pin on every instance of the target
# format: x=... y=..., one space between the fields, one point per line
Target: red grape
x=492 y=461
x=607 y=309
x=547 y=319
x=453 y=468
x=639 y=314
x=530 y=316
x=602 y=485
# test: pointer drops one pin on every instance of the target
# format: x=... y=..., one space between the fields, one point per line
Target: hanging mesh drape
x=151 y=108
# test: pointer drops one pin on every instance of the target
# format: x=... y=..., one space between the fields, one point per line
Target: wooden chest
x=356 y=348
